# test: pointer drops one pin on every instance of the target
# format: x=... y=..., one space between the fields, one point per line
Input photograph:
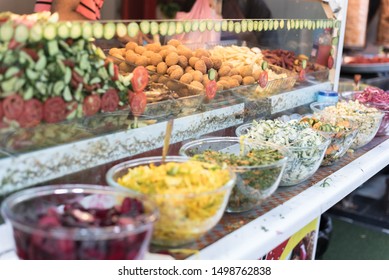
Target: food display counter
x=103 y=122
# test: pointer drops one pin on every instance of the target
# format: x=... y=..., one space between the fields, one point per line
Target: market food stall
x=87 y=109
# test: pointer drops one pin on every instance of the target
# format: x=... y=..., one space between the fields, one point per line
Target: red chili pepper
x=138 y=103
x=140 y=78
x=210 y=89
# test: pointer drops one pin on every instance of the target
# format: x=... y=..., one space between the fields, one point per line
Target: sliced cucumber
x=144 y=26
x=224 y=25
x=67 y=95
x=301 y=24
x=6 y=32
x=41 y=63
x=19 y=84
x=63 y=30
x=187 y=26
x=172 y=29
x=21 y=33
x=195 y=25
x=52 y=47
x=68 y=76
x=271 y=24
x=218 y=26
x=9 y=85
x=12 y=71
x=305 y=23
x=50 y=31
x=202 y=26
x=309 y=24
x=133 y=29
x=231 y=26
x=243 y=25
x=121 y=29
x=237 y=27
x=297 y=25
x=98 y=30
x=292 y=24
x=28 y=93
x=276 y=24
x=58 y=87
x=163 y=28
x=250 y=25
x=256 y=23
x=32 y=75
x=210 y=25
x=36 y=33
x=154 y=28
x=87 y=30
x=109 y=30
x=288 y=25
x=260 y=25
x=314 y=25
x=282 y=24
x=75 y=30
x=179 y=27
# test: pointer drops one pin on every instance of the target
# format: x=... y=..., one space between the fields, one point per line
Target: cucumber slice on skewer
x=195 y=25
x=224 y=25
x=21 y=33
x=75 y=30
x=87 y=30
x=179 y=27
x=218 y=26
x=171 y=29
x=133 y=29
x=244 y=25
x=163 y=28
x=260 y=25
x=250 y=25
x=109 y=30
x=187 y=26
x=230 y=26
x=276 y=24
x=144 y=27
x=121 y=29
x=63 y=30
x=282 y=24
x=98 y=30
x=154 y=28
x=202 y=26
x=50 y=31
x=210 y=25
x=6 y=32
x=237 y=27
x=36 y=33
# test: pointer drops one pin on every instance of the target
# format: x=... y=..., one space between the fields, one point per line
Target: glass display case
x=66 y=113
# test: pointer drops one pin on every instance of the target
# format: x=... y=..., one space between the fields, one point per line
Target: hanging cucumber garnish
x=133 y=29
x=144 y=27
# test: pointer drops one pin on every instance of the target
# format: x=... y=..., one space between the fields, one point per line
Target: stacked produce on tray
x=51 y=71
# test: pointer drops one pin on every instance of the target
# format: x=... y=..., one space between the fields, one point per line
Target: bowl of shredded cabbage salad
x=307 y=146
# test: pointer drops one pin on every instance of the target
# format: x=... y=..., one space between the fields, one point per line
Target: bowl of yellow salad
x=191 y=195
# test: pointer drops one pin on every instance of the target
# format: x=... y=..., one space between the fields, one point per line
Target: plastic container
x=327 y=96
x=255 y=182
x=187 y=212
x=80 y=222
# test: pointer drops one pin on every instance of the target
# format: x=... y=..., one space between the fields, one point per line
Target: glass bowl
x=258 y=166
x=303 y=161
x=317 y=107
x=382 y=106
x=341 y=131
x=367 y=119
x=191 y=196
x=79 y=222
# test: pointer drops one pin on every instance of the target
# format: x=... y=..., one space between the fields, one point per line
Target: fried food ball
x=154 y=47
x=206 y=79
x=177 y=73
x=200 y=66
x=171 y=59
x=154 y=78
x=124 y=67
x=172 y=68
x=162 y=68
x=197 y=84
x=147 y=53
x=239 y=78
x=219 y=86
x=163 y=54
x=187 y=78
x=183 y=61
x=234 y=71
x=223 y=83
x=113 y=51
x=193 y=60
x=197 y=76
x=208 y=62
x=246 y=71
x=174 y=42
x=141 y=60
x=151 y=68
x=224 y=71
x=131 y=46
x=117 y=58
x=139 y=49
x=185 y=51
x=248 y=80
x=217 y=63
x=131 y=56
x=169 y=48
x=256 y=74
x=155 y=59
x=233 y=83
x=188 y=69
x=201 y=52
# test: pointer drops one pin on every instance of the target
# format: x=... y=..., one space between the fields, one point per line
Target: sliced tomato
x=140 y=78
x=210 y=89
x=263 y=79
x=32 y=114
x=13 y=106
x=138 y=103
x=110 y=101
x=91 y=105
x=54 y=109
x=330 y=62
x=302 y=75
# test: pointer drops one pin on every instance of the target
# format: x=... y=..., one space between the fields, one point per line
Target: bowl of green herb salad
x=258 y=166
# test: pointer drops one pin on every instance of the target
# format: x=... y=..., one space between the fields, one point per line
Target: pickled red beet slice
x=263 y=79
x=140 y=79
x=210 y=89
